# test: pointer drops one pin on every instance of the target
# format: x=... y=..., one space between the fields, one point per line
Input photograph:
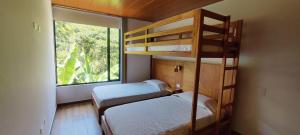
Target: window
x=86 y=53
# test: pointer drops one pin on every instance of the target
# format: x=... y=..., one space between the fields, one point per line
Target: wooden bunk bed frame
x=220 y=40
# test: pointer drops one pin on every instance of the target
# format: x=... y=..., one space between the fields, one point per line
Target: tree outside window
x=86 y=53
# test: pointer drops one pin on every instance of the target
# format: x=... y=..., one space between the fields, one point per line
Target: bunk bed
x=104 y=97
x=209 y=35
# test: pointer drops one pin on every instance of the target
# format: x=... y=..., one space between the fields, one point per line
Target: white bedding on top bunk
x=111 y=95
x=177 y=48
x=161 y=116
x=136 y=49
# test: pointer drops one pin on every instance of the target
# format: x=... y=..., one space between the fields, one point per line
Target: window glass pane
x=81 y=53
x=114 y=54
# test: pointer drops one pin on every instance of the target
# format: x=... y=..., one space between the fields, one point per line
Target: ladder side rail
x=222 y=75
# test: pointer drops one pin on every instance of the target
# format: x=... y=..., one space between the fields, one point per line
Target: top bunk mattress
x=174 y=48
x=111 y=95
x=165 y=48
x=168 y=115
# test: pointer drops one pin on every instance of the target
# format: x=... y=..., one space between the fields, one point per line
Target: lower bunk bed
x=104 y=97
x=169 y=115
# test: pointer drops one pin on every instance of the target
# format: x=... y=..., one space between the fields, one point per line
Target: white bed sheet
x=136 y=49
x=172 y=48
x=117 y=94
x=161 y=116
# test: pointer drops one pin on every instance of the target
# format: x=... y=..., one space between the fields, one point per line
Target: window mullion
x=120 y=51
x=108 y=54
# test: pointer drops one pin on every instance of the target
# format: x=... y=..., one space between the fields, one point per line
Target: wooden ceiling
x=150 y=10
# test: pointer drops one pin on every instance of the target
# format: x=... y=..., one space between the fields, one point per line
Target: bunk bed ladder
x=229 y=73
x=222 y=77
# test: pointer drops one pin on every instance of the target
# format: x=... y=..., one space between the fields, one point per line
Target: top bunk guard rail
x=160 y=38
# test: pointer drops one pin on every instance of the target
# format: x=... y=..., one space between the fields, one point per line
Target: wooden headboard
x=165 y=70
x=209 y=80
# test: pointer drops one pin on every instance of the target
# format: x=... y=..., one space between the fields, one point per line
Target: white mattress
x=177 y=48
x=111 y=95
x=161 y=116
x=136 y=49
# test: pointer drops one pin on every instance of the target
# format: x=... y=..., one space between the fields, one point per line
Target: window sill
x=90 y=84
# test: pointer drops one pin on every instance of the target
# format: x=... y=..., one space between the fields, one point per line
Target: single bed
x=169 y=115
x=112 y=95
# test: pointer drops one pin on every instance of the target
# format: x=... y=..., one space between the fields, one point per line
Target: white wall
x=27 y=74
x=138 y=66
x=73 y=93
x=268 y=85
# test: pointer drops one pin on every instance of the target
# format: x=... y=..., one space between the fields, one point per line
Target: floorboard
x=79 y=119
x=76 y=119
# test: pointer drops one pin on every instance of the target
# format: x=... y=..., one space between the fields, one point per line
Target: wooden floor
x=76 y=119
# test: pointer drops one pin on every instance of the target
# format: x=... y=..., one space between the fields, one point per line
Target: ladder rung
x=213 y=42
x=232 y=48
x=227 y=105
x=231 y=68
x=230 y=54
x=227 y=121
x=213 y=29
x=232 y=44
x=228 y=87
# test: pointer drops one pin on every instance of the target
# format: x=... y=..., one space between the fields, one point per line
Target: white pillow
x=203 y=101
x=157 y=84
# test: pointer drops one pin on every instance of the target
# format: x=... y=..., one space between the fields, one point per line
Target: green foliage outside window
x=82 y=53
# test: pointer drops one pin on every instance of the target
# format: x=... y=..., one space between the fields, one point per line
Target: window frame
x=108 y=58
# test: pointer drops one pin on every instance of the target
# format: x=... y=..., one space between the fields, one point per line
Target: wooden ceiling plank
x=150 y=10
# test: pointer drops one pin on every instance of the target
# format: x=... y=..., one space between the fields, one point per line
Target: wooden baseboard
x=233 y=132
x=76 y=102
